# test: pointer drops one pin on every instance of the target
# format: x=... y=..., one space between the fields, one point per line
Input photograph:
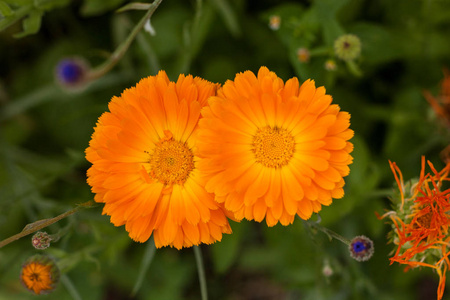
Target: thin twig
x=122 y=49
x=33 y=227
x=201 y=272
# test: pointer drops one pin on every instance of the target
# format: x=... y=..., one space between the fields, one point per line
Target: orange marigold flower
x=421 y=221
x=40 y=274
x=273 y=150
x=144 y=163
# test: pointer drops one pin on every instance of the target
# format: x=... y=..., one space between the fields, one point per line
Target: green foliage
x=44 y=130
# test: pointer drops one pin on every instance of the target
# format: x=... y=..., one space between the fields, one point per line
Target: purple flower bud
x=361 y=248
x=71 y=73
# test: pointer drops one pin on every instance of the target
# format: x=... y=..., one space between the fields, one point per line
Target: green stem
x=201 y=272
x=122 y=49
x=145 y=264
x=33 y=227
x=329 y=232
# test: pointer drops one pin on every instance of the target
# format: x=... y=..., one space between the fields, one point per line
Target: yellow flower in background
x=39 y=274
x=273 y=150
x=144 y=163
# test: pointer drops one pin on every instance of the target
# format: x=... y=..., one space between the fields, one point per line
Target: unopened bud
x=361 y=248
x=39 y=274
x=347 y=47
x=41 y=240
x=71 y=73
x=330 y=65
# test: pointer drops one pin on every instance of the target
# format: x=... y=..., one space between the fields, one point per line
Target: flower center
x=171 y=161
x=35 y=277
x=425 y=220
x=273 y=147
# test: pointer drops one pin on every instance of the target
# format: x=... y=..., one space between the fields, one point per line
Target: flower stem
x=201 y=272
x=35 y=226
x=331 y=234
x=122 y=49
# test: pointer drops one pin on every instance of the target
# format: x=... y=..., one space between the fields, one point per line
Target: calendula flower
x=421 y=220
x=40 y=274
x=144 y=163
x=273 y=150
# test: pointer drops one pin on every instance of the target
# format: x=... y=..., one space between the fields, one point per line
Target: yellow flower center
x=171 y=161
x=273 y=147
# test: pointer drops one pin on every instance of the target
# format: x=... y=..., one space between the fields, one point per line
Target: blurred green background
x=44 y=130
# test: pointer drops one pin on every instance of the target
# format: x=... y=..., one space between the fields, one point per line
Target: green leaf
x=31 y=24
x=135 y=6
x=5 y=10
x=150 y=251
x=378 y=43
x=19 y=2
x=50 y=4
x=224 y=254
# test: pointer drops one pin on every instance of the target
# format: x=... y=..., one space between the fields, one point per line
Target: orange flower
x=39 y=274
x=421 y=222
x=273 y=150
x=144 y=163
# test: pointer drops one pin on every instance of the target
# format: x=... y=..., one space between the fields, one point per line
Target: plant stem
x=122 y=49
x=201 y=272
x=329 y=232
x=150 y=251
x=35 y=226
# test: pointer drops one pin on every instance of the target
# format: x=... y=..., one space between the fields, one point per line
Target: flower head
x=421 y=220
x=361 y=248
x=145 y=163
x=303 y=55
x=330 y=65
x=347 y=47
x=273 y=150
x=40 y=274
x=71 y=73
x=41 y=240
x=274 y=22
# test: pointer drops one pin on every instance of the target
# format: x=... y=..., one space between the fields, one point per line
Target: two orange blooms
x=177 y=159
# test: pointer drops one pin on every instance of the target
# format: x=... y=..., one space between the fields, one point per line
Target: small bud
x=361 y=248
x=303 y=55
x=71 y=73
x=327 y=271
x=274 y=22
x=41 y=240
x=39 y=274
x=347 y=47
x=330 y=65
